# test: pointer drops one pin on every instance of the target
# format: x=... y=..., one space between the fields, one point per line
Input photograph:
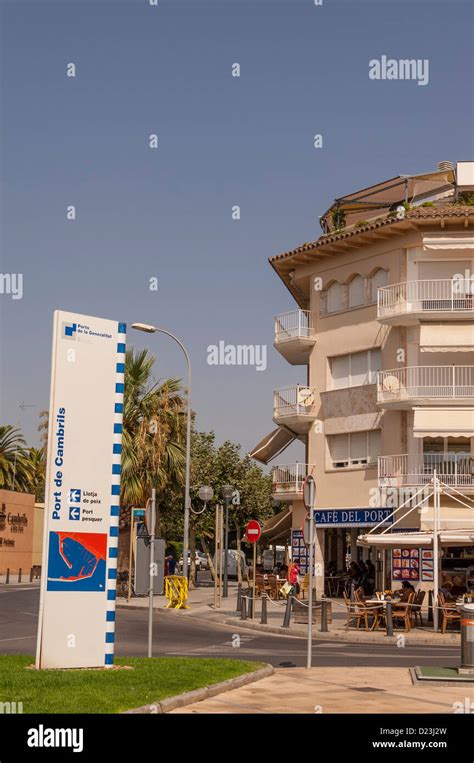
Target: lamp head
x=144 y=327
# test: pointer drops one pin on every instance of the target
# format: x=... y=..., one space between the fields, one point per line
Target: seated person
x=405 y=590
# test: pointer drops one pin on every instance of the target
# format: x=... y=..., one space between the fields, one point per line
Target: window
x=379 y=279
x=354 y=448
x=334 y=298
x=357 y=292
x=355 y=369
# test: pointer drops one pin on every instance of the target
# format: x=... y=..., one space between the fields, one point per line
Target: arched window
x=334 y=298
x=379 y=279
x=356 y=292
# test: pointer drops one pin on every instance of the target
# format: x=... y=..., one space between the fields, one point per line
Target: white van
x=232 y=563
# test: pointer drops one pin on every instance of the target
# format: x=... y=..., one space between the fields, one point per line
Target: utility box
x=142 y=566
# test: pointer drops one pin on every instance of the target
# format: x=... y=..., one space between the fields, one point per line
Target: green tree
x=15 y=469
x=37 y=472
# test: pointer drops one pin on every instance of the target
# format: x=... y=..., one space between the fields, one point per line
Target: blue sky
x=223 y=141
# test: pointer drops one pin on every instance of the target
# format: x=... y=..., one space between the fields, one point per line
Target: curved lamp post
x=187 y=500
x=227 y=492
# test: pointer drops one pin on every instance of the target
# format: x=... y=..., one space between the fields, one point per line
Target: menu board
x=427 y=565
x=299 y=550
x=406 y=564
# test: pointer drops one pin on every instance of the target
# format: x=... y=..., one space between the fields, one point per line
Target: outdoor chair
x=259 y=584
x=304 y=585
x=273 y=587
x=359 y=610
x=417 y=605
x=404 y=613
x=449 y=614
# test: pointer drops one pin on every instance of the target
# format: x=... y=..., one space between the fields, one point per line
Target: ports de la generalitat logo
x=69 y=330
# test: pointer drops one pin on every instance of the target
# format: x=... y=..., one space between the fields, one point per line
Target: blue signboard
x=365 y=517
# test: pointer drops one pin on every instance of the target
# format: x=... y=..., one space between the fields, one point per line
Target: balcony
x=454 y=469
x=405 y=304
x=294 y=408
x=422 y=385
x=288 y=480
x=295 y=336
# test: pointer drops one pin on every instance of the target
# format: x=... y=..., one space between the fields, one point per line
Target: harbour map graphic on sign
x=76 y=561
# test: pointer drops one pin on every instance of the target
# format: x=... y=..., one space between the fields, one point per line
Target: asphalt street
x=176 y=634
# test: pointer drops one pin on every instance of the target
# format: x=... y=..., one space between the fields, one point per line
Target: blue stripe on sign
x=110 y=617
x=117 y=449
x=122 y=328
x=118 y=408
x=116 y=469
x=120 y=347
x=113 y=553
x=117 y=429
x=112 y=574
x=119 y=387
x=114 y=511
x=120 y=368
x=113 y=532
x=115 y=489
x=109 y=638
x=111 y=595
x=109 y=659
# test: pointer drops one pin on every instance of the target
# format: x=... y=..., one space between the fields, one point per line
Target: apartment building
x=383 y=332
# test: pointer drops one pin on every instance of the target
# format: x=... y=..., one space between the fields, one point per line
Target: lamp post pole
x=187 y=500
x=227 y=492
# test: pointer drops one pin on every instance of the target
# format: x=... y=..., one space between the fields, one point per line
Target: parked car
x=232 y=564
x=200 y=559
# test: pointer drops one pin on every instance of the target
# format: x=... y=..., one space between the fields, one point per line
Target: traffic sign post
x=309 y=500
x=253 y=532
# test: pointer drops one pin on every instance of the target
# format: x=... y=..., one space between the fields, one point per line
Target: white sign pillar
x=76 y=625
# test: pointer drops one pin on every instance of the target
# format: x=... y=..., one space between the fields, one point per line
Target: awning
x=443 y=422
x=278 y=527
x=423 y=539
x=460 y=241
x=272 y=445
x=447 y=337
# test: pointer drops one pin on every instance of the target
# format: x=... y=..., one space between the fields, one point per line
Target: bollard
x=430 y=606
x=19 y=575
x=7 y=579
x=324 y=615
x=239 y=598
x=263 y=616
x=287 y=616
x=467 y=639
x=251 y=603
x=243 y=608
x=388 y=618
x=31 y=575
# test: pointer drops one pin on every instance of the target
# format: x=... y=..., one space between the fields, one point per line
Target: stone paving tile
x=334 y=690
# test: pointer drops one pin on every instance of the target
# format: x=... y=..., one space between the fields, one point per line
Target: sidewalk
x=201 y=607
x=336 y=690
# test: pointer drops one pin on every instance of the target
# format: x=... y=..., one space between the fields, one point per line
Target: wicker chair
x=404 y=613
x=449 y=614
x=417 y=605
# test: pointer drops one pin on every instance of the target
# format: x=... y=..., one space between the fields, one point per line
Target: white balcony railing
x=454 y=469
x=433 y=296
x=295 y=401
x=297 y=324
x=289 y=479
x=436 y=382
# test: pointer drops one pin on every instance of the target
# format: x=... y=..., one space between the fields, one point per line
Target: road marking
x=33 y=614
x=17 y=638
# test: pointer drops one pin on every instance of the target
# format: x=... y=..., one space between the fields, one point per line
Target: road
x=187 y=636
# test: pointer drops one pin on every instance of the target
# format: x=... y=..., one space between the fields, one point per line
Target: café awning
x=448 y=337
x=278 y=528
x=272 y=445
x=443 y=422
x=417 y=539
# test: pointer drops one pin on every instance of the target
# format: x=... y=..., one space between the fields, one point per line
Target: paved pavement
x=337 y=690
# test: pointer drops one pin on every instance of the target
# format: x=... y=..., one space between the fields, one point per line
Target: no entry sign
x=253 y=531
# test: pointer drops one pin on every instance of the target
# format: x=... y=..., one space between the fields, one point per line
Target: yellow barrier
x=176 y=590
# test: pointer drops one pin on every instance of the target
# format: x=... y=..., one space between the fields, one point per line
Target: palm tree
x=37 y=468
x=153 y=431
x=15 y=469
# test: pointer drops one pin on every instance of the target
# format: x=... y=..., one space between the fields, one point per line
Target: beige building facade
x=383 y=332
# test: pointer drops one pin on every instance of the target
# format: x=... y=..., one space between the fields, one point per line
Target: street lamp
x=227 y=493
x=205 y=493
x=187 y=499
